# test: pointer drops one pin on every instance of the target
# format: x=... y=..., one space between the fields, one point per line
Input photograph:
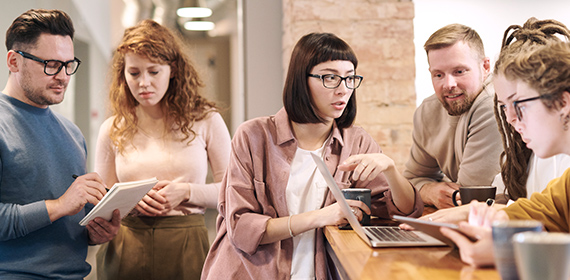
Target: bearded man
x=41 y=201
x=455 y=138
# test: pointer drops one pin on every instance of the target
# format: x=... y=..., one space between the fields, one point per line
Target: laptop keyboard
x=394 y=234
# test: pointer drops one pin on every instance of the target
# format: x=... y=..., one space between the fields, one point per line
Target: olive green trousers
x=155 y=248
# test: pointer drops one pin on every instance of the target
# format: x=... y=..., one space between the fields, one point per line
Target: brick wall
x=381 y=34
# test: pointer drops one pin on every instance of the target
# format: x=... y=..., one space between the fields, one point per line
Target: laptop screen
x=337 y=193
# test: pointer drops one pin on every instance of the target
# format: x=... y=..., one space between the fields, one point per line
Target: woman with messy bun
x=522 y=173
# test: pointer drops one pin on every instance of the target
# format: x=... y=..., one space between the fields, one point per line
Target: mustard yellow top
x=551 y=206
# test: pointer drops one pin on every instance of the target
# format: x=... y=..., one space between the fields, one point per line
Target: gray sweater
x=39 y=153
x=462 y=149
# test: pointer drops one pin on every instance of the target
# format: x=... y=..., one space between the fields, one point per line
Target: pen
x=75 y=177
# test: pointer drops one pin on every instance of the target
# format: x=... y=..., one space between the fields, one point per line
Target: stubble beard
x=38 y=95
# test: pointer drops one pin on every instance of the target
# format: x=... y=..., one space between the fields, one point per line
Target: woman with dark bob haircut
x=274 y=203
x=296 y=94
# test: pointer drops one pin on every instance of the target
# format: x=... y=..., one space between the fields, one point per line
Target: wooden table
x=356 y=260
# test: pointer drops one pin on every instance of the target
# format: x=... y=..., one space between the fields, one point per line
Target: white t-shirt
x=541 y=171
x=305 y=192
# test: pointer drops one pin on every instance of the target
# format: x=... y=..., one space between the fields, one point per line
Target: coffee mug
x=503 y=232
x=469 y=193
x=542 y=255
x=363 y=195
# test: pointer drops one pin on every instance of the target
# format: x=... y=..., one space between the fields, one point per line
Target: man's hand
x=88 y=188
x=101 y=231
x=438 y=194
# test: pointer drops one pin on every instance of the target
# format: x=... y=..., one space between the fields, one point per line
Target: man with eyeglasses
x=455 y=137
x=41 y=201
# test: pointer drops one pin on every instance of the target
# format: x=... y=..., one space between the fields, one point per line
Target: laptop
x=375 y=236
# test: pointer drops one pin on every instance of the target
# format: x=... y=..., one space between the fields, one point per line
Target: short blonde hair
x=453 y=33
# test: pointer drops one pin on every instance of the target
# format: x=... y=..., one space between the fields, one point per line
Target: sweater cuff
x=35 y=216
x=205 y=195
x=419 y=183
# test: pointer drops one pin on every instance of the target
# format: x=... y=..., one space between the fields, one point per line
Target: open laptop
x=375 y=236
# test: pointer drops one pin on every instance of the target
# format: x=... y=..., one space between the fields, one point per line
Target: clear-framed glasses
x=333 y=81
x=52 y=66
x=519 y=106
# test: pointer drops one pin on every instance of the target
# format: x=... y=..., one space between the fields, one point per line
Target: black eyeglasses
x=52 y=66
x=519 y=108
x=333 y=81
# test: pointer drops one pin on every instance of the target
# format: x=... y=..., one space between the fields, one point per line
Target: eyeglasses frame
x=341 y=80
x=518 y=110
x=46 y=61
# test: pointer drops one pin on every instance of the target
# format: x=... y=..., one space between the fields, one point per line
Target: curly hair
x=516 y=40
x=545 y=69
x=182 y=101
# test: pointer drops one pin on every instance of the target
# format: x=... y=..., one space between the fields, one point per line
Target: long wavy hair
x=516 y=40
x=182 y=102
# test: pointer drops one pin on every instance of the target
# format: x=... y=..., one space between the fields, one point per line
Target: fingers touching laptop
x=334 y=215
x=357 y=207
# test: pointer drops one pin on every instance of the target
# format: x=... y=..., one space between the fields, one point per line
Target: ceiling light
x=194 y=12
x=199 y=25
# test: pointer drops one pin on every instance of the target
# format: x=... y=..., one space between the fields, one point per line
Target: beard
x=38 y=95
x=461 y=106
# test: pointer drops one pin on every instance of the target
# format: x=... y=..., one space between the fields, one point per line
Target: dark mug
x=469 y=193
x=363 y=195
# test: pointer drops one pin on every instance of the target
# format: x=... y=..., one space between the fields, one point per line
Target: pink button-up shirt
x=253 y=191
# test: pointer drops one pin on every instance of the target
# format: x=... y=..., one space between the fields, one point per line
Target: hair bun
x=530 y=34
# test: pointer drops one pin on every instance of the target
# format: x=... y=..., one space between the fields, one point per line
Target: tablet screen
x=431 y=228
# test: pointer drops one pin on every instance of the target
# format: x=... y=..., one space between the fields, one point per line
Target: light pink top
x=254 y=191
x=170 y=159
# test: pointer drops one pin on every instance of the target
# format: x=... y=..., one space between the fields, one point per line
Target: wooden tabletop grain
x=356 y=260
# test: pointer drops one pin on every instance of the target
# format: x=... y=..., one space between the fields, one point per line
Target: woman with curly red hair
x=160 y=127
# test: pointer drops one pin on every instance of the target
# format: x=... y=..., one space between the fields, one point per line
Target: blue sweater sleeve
x=39 y=151
x=19 y=220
